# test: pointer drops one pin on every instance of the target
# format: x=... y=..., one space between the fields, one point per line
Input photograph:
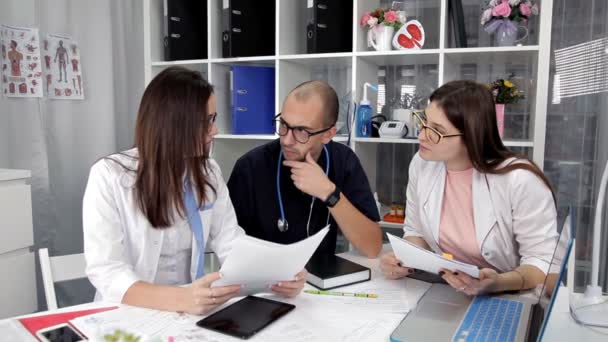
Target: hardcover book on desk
x=329 y=271
x=252 y=90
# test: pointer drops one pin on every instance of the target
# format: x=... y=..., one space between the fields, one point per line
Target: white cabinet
x=440 y=61
x=18 y=293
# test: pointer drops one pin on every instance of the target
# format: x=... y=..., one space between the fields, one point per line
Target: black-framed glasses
x=211 y=119
x=432 y=134
x=300 y=134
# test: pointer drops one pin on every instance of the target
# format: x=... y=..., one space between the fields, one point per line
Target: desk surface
x=561 y=326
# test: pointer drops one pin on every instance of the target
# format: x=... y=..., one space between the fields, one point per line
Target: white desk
x=316 y=313
x=562 y=327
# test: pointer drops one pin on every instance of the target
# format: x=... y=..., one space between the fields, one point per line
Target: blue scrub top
x=253 y=192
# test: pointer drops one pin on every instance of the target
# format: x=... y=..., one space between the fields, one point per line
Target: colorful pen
x=346 y=294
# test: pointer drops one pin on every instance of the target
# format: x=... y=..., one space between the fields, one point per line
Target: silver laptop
x=444 y=314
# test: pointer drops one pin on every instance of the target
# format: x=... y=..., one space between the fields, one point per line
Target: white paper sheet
x=336 y=321
x=394 y=296
x=257 y=263
x=12 y=330
x=422 y=259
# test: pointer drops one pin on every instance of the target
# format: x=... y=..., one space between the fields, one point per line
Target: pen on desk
x=346 y=294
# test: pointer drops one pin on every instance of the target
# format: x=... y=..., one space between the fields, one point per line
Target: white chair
x=59 y=268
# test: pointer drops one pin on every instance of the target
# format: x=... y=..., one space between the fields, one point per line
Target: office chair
x=59 y=268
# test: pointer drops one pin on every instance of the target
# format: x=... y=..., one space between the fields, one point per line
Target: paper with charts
x=257 y=263
x=422 y=259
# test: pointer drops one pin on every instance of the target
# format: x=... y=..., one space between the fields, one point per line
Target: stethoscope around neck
x=282 y=222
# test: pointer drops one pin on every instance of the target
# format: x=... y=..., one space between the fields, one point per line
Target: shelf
x=518 y=143
x=387 y=140
x=183 y=62
x=500 y=49
x=265 y=137
x=400 y=57
x=247 y=136
x=390 y=224
x=255 y=60
x=329 y=59
x=509 y=143
x=492 y=55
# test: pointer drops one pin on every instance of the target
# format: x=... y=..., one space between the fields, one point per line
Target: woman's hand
x=201 y=298
x=391 y=267
x=462 y=282
x=291 y=288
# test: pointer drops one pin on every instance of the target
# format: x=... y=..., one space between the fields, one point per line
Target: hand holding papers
x=422 y=259
x=257 y=263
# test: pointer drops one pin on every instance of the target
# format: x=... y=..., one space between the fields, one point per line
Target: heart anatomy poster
x=62 y=68
x=21 y=71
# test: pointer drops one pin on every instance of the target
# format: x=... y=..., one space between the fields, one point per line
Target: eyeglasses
x=301 y=134
x=211 y=119
x=431 y=133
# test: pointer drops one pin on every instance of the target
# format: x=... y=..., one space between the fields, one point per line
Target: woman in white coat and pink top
x=469 y=196
x=149 y=213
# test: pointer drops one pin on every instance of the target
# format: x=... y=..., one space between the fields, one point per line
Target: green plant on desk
x=120 y=336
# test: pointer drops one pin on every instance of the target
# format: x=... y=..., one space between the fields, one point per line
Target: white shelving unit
x=436 y=64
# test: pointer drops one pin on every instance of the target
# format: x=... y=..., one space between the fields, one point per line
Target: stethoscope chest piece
x=283 y=226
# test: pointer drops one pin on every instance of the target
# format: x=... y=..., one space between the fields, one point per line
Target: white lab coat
x=514 y=214
x=120 y=245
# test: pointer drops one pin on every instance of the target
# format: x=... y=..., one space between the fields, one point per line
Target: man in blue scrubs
x=285 y=191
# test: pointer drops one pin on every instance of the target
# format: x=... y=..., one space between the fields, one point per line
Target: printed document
x=257 y=263
x=422 y=259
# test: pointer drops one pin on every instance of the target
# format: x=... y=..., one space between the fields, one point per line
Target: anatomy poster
x=62 y=68
x=21 y=70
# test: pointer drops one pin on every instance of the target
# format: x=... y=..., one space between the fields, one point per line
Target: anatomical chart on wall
x=62 y=68
x=21 y=64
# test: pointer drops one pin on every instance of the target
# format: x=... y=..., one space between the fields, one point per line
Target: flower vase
x=500 y=118
x=506 y=32
x=505 y=35
x=380 y=37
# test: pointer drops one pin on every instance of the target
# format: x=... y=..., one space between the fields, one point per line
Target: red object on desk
x=394 y=218
x=33 y=324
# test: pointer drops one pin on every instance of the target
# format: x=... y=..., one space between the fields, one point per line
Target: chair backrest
x=59 y=268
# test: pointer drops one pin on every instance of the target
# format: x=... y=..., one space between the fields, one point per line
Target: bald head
x=307 y=90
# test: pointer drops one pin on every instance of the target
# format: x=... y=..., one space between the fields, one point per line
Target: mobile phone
x=60 y=333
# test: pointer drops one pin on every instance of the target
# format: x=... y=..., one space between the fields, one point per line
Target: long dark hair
x=170 y=136
x=469 y=106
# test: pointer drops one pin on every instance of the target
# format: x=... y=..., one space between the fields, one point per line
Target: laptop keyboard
x=489 y=319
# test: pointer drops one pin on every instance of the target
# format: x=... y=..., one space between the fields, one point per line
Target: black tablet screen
x=246 y=317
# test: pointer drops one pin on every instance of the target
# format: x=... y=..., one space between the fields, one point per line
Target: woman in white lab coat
x=150 y=212
x=469 y=196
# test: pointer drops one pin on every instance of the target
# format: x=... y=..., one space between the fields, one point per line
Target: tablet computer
x=246 y=317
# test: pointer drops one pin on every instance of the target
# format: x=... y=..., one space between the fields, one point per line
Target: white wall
x=58 y=139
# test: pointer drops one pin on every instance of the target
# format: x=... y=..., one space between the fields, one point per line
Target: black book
x=329 y=271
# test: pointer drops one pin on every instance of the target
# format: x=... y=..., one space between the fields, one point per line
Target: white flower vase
x=380 y=37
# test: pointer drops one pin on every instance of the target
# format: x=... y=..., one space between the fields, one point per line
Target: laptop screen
x=557 y=269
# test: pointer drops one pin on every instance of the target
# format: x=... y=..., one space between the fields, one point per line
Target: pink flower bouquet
x=386 y=17
x=513 y=10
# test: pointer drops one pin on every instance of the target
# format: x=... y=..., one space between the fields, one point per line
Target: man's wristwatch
x=333 y=198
